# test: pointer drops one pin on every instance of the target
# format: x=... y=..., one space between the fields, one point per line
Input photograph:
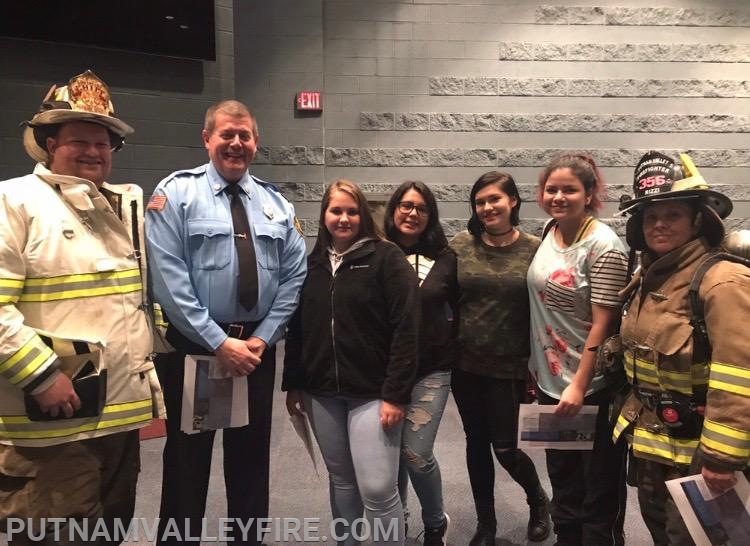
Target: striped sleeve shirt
x=608 y=277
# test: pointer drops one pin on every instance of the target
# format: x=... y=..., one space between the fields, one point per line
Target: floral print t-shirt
x=563 y=283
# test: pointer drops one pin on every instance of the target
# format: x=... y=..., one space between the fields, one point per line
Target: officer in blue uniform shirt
x=197 y=251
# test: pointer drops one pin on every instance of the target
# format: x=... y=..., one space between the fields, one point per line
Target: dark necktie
x=247 y=286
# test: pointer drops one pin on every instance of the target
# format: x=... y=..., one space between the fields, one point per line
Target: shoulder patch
x=157 y=202
x=297 y=225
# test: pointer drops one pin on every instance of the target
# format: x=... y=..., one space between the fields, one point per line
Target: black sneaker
x=437 y=536
x=540 y=523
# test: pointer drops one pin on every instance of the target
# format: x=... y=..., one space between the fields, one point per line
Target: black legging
x=489 y=413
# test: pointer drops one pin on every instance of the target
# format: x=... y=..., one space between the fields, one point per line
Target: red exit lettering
x=309 y=100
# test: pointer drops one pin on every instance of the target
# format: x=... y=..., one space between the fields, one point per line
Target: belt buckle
x=235 y=330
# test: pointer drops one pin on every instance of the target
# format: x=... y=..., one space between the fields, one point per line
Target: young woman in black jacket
x=351 y=359
x=412 y=222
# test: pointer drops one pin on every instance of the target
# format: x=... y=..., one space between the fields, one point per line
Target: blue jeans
x=362 y=462
x=428 y=399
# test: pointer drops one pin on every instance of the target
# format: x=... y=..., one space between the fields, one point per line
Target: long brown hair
x=367 y=226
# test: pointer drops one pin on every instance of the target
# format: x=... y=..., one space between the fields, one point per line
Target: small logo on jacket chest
x=365 y=266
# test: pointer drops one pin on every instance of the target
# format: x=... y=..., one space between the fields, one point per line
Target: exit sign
x=309 y=101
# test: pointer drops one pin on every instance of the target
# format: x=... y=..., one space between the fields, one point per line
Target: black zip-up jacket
x=438 y=294
x=355 y=333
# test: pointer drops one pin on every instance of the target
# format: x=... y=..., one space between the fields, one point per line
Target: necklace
x=498 y=234
x=491 y=239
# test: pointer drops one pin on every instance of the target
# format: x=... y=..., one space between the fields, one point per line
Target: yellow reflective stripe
x=648 y=367
x=159 y=316
x=82 y=285
x=97 y=425
x=622 y=424
x=681 y=381
x=627 y=360
x=729 y=387
x=17 y=356
x=27 y=360
x=661 y=445
x=33 y=366
x=726 y=439
x=730 y=378
x=649 y=376
x=126 y=406
x=726 y=449
x=77 y=294
x=82 y=277
x=141 y=411
x=10 y=290
x=109 y=408
x=699 y=371
x=646 y=372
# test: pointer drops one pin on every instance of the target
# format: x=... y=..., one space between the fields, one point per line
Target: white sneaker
x=438 y=536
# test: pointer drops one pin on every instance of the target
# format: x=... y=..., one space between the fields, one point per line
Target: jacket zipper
x=333 y=332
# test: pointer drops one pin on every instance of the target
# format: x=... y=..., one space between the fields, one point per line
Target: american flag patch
x=157 y=202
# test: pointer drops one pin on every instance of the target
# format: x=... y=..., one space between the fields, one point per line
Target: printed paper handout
x=212 y=399
x=713 y=518
x=539 y=427
x=301 y=426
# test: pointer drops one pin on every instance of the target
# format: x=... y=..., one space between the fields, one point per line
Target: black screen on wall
x=176 y=28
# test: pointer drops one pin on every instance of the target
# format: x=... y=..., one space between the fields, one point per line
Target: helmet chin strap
x=698 y=221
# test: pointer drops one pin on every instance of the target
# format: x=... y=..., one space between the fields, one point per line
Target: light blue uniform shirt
x=193 y=262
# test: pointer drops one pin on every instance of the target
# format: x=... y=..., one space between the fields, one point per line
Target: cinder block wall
x=445 y=90
x=163 y=98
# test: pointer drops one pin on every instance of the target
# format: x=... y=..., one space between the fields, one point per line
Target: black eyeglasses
x=405 y=207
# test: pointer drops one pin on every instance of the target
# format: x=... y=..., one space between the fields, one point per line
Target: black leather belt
x=238 y=330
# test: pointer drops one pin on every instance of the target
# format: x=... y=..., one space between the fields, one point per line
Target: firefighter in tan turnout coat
x=689 y=409
x=76 y=376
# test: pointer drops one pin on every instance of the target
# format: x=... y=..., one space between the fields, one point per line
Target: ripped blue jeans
x=418 y=463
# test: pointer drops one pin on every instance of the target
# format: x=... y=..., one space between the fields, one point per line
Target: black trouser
x=187 y=457
x=489 y=413
x=588 y=487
